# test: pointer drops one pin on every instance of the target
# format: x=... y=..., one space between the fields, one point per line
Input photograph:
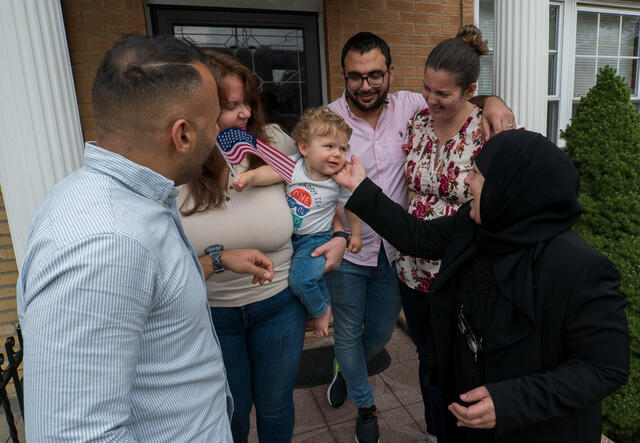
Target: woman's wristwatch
x=215 y=252
x=342 y=234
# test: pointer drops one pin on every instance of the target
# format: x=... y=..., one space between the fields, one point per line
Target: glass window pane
x=551 y=90
x=276 y=57
x=609 y=31
x=485 y=80
x=630 y=31
x=586 y=33
x=629 y=70
x=554 y=10
x=607 y=61
x=584 y=76
x=487 y=20
x=552 y=121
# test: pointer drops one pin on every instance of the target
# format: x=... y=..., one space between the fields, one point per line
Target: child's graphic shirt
x=313 y=203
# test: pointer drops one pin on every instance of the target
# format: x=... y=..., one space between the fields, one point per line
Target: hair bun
x=472 y=36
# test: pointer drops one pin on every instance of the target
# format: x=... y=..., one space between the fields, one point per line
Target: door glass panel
x=274 y=55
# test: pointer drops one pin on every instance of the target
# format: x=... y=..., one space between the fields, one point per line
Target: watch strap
x=215 y=252
x=342 y=234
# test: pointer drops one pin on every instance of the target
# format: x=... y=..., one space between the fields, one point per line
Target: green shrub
x=603 y=140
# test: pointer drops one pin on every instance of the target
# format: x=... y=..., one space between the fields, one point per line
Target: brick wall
x=92 y=27
x=8 y=278
x=411 y=28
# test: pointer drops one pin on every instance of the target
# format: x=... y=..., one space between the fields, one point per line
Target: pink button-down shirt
x=380 y=151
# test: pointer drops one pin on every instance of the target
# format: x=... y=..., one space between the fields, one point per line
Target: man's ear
x=391 y=69
x=182 y=135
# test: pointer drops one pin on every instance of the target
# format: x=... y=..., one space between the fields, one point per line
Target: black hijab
x=529 y=197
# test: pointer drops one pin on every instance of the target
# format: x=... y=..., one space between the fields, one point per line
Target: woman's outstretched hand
x=351 y=175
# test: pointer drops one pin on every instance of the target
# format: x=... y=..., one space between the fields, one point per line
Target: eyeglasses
x=375 y=79
x=473 y=343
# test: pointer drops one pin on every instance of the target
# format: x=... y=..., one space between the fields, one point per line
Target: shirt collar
x=138 y=178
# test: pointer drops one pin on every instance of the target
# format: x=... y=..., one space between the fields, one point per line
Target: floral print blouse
x=436 y=188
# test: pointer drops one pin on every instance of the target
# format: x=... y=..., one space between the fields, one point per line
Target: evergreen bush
x=603 y=139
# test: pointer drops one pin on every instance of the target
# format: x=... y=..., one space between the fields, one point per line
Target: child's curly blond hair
x=319 y=122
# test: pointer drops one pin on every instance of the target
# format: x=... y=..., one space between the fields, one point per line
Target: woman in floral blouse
x=441 y=144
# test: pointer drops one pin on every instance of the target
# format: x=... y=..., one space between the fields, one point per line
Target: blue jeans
x=261 y=346
x=362 y=295
x=306 y=277
x=417 y=312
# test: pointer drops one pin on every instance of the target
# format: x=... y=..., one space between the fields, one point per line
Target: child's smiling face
x=325 y=155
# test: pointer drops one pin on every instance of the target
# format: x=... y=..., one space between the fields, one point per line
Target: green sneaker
x=337 y=391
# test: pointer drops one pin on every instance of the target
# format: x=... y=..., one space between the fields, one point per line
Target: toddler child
x=322 y=137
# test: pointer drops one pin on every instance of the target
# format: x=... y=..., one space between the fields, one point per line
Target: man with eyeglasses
x=364 y=289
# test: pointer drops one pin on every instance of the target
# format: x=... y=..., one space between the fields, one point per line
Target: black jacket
x=547 y=379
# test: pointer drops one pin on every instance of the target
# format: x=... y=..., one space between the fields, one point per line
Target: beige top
x=258 y=217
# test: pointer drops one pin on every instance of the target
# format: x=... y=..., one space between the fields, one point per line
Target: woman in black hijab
x=527 y=322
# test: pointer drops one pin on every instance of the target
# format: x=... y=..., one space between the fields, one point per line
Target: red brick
x=134 y=18
x=8 y=292
x=400 y=5
x=83 y=96
x=112 y=5
x=89 y=122
x=89 y=134
x=118 y=31
x=103 y=18
x=371 y=4
x=428 y=7
x=413 y=81
x=451 y=8
x=416 y=17
x=100 y=44
x=8 y=266
x=78 y=4
x=385 y=16
x=451 y=19
x=84 y=83
x=86 y=109
x=8 y=278
x=414 y=60
x=429 y=29
x=94 y=57
x=80 y=71
x=9 y=315
x=402 y=49
x=134 y=4
x=72 y=16
x=77 y=44
x=419 y=39
x=4 y=228
x=7 y=254
x=84 y=30
x=450 y=30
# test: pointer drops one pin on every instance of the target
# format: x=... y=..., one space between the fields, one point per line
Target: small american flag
x=234 y=144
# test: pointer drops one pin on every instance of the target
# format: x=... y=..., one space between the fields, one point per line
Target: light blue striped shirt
x=118 y=340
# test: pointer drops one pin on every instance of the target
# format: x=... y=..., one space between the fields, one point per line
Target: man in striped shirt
x=119 y=344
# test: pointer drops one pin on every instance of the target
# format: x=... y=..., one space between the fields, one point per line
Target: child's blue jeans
x=306 y=275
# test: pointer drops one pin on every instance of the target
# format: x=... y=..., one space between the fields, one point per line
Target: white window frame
x=567 y=50
x=561 y=55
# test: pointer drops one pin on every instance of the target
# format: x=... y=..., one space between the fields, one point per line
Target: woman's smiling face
x=235 y=112
x=443 y=95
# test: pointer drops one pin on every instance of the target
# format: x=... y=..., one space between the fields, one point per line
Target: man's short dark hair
x=365 y=42
x=138 y=72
